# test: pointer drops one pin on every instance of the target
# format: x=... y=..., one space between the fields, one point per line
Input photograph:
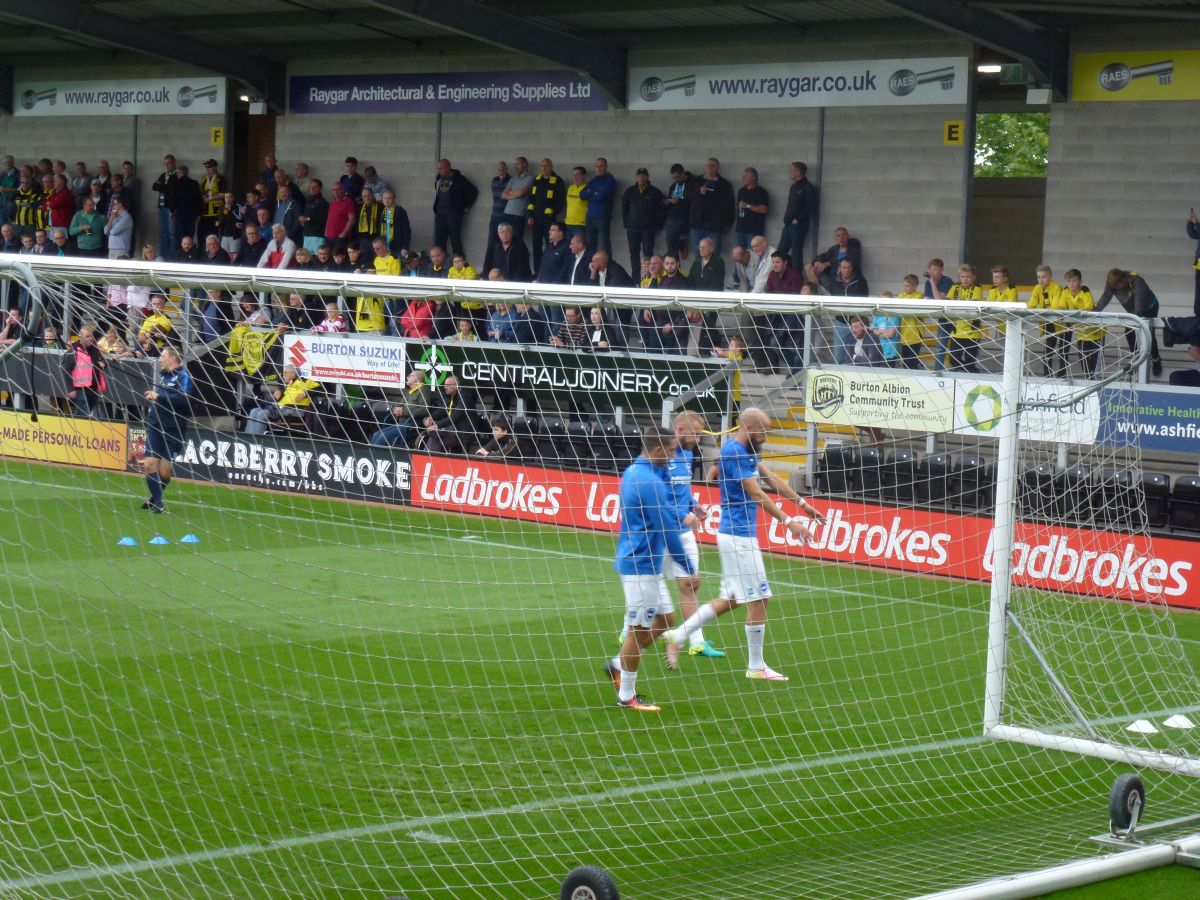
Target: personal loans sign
x=199 y=96
x=537 y=90
x=874 y=82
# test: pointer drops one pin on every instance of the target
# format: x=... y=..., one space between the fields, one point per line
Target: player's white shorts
x=673 y=569
x=646 y=597
x=743 y=576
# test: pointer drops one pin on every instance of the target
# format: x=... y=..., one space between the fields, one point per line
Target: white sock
x=616 y=662
x=754 y=642
x=695 y=622
x=698 y=638
x=628 y=683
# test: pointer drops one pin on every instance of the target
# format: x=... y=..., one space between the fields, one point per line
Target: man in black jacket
x=510 y=256
x=712 y=212
x=314 y=216
x=451 y=427
x=166 y=187
x=453 y=196
x=801 y=204
x=188 y=203
x=642 y=209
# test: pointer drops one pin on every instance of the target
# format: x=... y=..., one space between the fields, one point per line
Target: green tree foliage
x=1011 y=145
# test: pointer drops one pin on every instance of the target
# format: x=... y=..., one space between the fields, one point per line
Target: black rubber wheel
x=1125 y=791
x=589 y=883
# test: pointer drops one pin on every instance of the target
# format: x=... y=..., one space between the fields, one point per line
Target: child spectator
x=1089 y=338
x=886 y=329
x=465 y=332
x=912 y=328
x=503 y=443
x=964 y=342
x=1046 y=296
x=333 y=323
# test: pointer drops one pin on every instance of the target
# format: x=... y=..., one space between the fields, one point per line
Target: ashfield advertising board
x=77 y=441
x=1069 y=560
x=535 y=90
x=869 y=82
x=296 y=465
x=202 y=95
x=1153 y=419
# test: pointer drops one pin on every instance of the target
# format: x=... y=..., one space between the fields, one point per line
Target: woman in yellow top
x=1048 y=295
x=1089 y=339
x=964 y=342
x=912 y=328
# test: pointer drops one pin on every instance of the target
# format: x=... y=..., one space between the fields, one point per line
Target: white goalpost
x=363 y=651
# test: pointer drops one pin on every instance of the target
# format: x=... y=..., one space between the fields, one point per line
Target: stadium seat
x=1185 y=503
x=608 y=444
x=931 y=485
x=581 y=443
x=899 y=476
x=965 y=481
x=526 y=433
x=835 y=473
x=869 y=470
x=1037 y=492
x=552 y=444
x=1117 y=502
x=1156 y=487
x=1073 y=496
x=630 y=445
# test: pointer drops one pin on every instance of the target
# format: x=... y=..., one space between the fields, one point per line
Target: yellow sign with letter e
x=954 y=132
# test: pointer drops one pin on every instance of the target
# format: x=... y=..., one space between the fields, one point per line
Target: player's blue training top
x=739 y=514
x=648 y=522
x=171 y=410
x=680 y=470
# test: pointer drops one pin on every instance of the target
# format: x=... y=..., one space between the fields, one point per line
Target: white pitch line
x=418 y=826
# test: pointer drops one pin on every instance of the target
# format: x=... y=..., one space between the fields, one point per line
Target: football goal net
x=350 y=631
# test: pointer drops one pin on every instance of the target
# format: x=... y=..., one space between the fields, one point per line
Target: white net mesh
x=379 y=668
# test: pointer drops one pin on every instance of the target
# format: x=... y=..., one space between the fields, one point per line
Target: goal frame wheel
x=589 y=883
x=1126 y=803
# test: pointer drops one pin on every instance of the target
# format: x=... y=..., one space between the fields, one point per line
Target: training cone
x=189 y=539
x=127 y=541
x=159 y=539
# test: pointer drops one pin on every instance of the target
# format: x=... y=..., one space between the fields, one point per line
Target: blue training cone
x=189 y=539
x=127 y=541
x=159 y=539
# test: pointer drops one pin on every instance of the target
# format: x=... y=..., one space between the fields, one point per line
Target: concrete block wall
x=888 y=178
x=1122 y=176
x=1007 y=219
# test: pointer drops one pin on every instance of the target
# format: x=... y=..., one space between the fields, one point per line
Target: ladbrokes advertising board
x=1069 y=560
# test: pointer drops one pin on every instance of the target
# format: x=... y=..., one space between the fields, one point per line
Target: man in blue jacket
x=599 y=194
x=166 y=424
x=649 y=530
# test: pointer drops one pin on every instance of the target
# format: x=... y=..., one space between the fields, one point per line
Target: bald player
x=743 y=576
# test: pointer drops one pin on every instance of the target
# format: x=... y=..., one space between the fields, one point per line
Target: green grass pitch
x=328 y=699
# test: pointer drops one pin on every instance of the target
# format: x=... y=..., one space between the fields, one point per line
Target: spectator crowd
x=544 y=228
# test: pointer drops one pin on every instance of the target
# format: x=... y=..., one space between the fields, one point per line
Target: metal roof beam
x=606 y=66
x=265 y=76
x=300 y=18
x=1045 y=51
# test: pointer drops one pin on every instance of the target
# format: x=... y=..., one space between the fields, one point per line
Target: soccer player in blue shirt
x=166 y=424
x=649 y=526
x=743 y=575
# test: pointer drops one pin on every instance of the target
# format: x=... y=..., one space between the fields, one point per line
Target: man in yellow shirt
x=157 y=329
x=369 y=317
x=575 y=219
x=291 y=403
